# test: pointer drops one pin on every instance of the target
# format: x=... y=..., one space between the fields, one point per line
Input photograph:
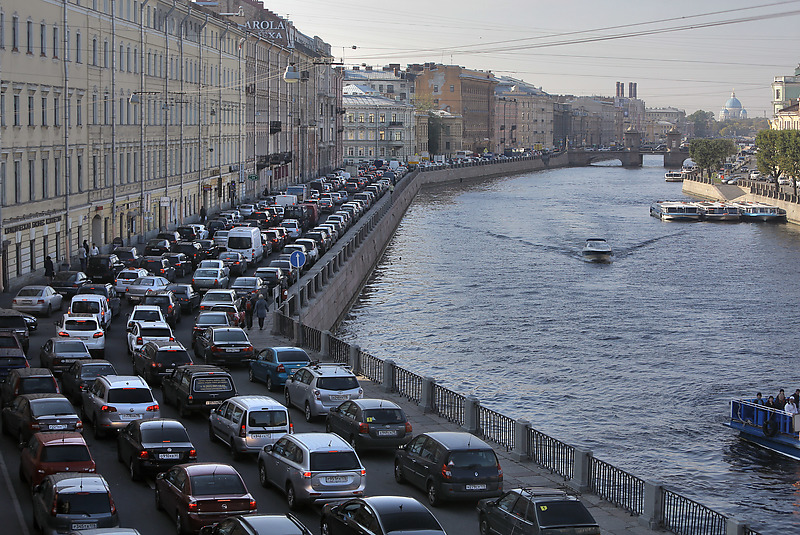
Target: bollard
x=471 y=404
x=521 y=430
x=653 y=513
x=354 y=359
x=324 y=345
x=388 y=375
x=734 y=527
x=426 y=399
x=298 y=333
x=580 y=476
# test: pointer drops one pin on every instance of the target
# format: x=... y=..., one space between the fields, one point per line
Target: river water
x=483 y=288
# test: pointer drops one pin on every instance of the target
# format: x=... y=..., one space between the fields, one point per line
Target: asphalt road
x=134 y=500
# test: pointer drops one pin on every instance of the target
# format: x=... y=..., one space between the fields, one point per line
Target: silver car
x=114 y=401
x=141 y=286
x=317 y=388
x=312 y=466
x=209 y=279
x=37 y=300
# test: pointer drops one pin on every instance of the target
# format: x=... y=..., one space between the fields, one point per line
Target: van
x=298 y=190
x=92 y=304
x=248 y=423
x=247 y=241
x=286 y=200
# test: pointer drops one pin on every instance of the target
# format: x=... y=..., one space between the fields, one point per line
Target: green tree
x=789 y=154
x=722 y=149
x=767 y=157
x=702 y=122
x=701 y=152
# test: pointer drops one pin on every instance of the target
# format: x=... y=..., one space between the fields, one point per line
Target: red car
x=200 y=494
x=50 y=453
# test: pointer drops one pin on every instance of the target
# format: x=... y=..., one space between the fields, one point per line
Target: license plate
x=129 y=416
x=340 y=398
x=217 y=402
x=169 y=456
x=66 y=361
x=386 y=433
x=84 y=525
x=57 y=426
x=336 y=479
x=231 y=350
x=475 y=487
x=260 y=435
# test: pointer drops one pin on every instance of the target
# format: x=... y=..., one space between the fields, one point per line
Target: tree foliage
x=767 y=158
x=710 y=154
x=789 y=154
x=702 y=122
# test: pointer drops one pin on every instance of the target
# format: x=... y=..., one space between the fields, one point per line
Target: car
x=276 y=239
x=193 y=251
x=27 y=381
x=258 y=525
x=291 y=272
x=246 y=209
x=31 y=413
x=214 y=263
x=221 y=237
x=180 y=263
x=312 y=251
x=154 y=360
x=104 y=267
x=535 y=511
x=29 y=319
x=247 y=287
x=57 y=354
x=209 y=318
x=234 y=311
x=81 y=373
x=209 y=248
x=67 y=282
x=209 y=279
x=273 y=365
x=229 y=345
x=153 y=446
x=216 y=225
x=378 y=514
x=321 y=239
x=97 y=305
x=127 y=276
x=171 y=236
x=271 y=276
x=159 y=266
x=449 y=465
x=136 y=290
x=16 y=322
x=141 y=332
x=157 y=247
x=197 y=388
x=370 y=424
x=293 y=228
x=108 y=291
x=312 y=467
x=235 y=262
x=316 y=388
x=128 y=256
x=114 y=401
x=784 y=181
x=201 y=494
x=188 y=233
x=53 y=452
x=217 y=297
x=84 y=327
x=67 y=501
x=186 y=296
x=146 y=313
x=245 y=424
x=37 y=299
x=166 y=301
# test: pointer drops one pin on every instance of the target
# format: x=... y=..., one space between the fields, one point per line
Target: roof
x=457 y=439
x=368 y=101
x=203 y=368
x=65 y=438
x=124 y=381
x=321 y=441
x=273 y=524
x=366 y=403
x=195 y=469
x=258 y=401
x=387 y=504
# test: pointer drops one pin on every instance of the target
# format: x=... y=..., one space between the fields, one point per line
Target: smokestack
x=631 y=91
x=617 y=91
x=636 y=90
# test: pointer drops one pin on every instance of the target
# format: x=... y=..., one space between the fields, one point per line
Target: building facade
x=377 y=127
x=659 y=121
x=390 y=81
x=787 y=119
x=524 y=117
x=784 y=90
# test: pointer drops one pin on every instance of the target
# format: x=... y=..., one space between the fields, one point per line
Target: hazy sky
x=682 y=53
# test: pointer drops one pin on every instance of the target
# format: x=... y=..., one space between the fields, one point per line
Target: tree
x=789 y=154
x=722 y=149
x=767 y=157
x=702 y=154
x=702 y=121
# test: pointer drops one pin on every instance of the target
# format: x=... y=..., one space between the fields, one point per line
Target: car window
x=506 y=503
x=429 y=450
x=337 y=383
x=65 y=453
x=520 y=508
x=83 y=503
x=264 y=418
x=554 y=513
x=473 y=459
x=415 y=446
x=293 y=356
x=53 y=406
x=236 y=415
x=334 y=460
x=413 y=521
x=384 y=416
x=164 y=434
x=93 y=371
x=217 y=484
x=36 y=385
x=225 y=412
x=130 y=395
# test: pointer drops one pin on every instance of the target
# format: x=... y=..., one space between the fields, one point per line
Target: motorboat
x=673 y=176
x=772 y=429
x=760 y=212
x=675 y=211
x=718 y=211
x=597 y=250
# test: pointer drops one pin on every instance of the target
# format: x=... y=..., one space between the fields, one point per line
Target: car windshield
x=209 y=273
x=176 y=289
x=8 y=342
x=127 y=275
x=212 y=319
x=473 y=459
x=129 y=395
x=217 y=298
x=334 y=460
x=124 y=255
x=65 y=276
x=156 y=332
x=173 y=356
x=96 y=262
x=81 y=325
x=146 y=315
x=244 y=282
x=91 y=372
x=293 y=355
x=217 y=484
x=69 y=346
x=267 y=419
x=409 y=521
x=66 y=453
x=230 y=336
x=384 y=416
x=37 y=385
x=566 y=513
x=143 y=281
x=160 y=300
x=30 y=292
x=54 y=406
x=337 y=383
x=163 y=434
x=218 y=383
x=89 y=307
x=83 y=503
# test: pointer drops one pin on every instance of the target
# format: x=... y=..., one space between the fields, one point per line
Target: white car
x=782 y=181
x=142 y=332
x=86 y=328
x=91 y=304
x=214 y=264
x=37 y=299
x=218 y=297
x=126 y=277
x=311 y=248
x=146 y=313
x=755 y=175
x=200 y=230
x=246 y=209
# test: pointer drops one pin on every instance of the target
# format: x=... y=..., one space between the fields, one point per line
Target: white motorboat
x=673 y=176
x=718 y=211
x=597 y=250
x=675 y=211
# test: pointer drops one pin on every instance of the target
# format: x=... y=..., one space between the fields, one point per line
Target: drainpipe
x=181 y=200
x=141 y=118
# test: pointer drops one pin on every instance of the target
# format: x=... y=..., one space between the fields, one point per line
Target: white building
x=377 y=127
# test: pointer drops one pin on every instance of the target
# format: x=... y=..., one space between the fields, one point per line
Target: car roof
x=160 y=422
x=321 y=441
x=388 y=504
x=34 y=287
x=95 y=362
x=327 y=369
x=273 y=524
x=151 y=323
x=122 y=381
x=255 y=402
x=146 y=308
x=79 y=482
x=38 y=397
x=458 y=440
x=65 y=438
x=32 y=372
x=367 y=403
x=195 y=369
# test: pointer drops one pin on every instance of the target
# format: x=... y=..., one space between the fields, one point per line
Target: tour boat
x=760 y=211
x=718 y=211
x=673 y=176
x=675 y=211
x=772 y=429
x=597 y=250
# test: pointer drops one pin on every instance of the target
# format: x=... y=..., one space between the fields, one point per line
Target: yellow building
x=787 y=118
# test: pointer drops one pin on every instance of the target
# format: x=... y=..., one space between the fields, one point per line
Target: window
x=16 y=111
x=55 y=42
x=95 y=183
x=2 y=109
x=360 y=117
x=105 y=54
x=121 y=65
x=44 y=111
x=29 y=25
x=31 y=179
x=57 y=175
x=15 y=33
x=372 y=117
x=382 y=135
x=398 y=136
x=43 y=39
x=80 y=172
x=436 y=89
x=17 y=181
x=94 y=52
x=56 y=112
x=79 y=112
x=390 y=88
x=452 y=88
x=78 y=47
x=31 y=119
x=45 y=177
x=2 y=30
x=382 y=117
x=94 y=108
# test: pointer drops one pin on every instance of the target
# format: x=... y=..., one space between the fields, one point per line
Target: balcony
x=395 y=123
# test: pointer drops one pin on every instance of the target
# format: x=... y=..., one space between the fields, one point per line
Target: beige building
x=787 y=118
x=523 y=116
x=377 y=127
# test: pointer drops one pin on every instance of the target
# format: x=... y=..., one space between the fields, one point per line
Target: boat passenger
x=759 y=399
x=781 y=399
x=770 y=404
x=791 y=406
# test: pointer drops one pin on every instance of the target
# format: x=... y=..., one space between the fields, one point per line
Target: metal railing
x=407 y=384
x=687 y=517
x=338 y=351
x=552 y=454
x=312 y=338
x=616 y=486
x=448 y=404
x=496 y=427
x=371 y=367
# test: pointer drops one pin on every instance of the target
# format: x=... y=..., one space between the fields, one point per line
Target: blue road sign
x=297 y=259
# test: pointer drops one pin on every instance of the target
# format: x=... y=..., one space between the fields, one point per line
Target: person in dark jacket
x=249 y=309
x=261 y=311
x=49 y=269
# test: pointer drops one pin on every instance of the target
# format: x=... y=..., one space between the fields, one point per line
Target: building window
x=371 y=117
x=350 y=151
x=390 y=88
x=382 y=117
x=398 y=136
x=15 y=33
x=78 y=47
x=394 y=117
x=43 y=39
x=105 y=54
x=360 y=117
x=57 y=175
x=94 y=108
x=80 y=172
x=56 y=111
x=2 y=30
x=436 y=89
x=32 y=253
x=16 y=111
x=31 y=118
x=55 y=42
x=17 y=181
x=44 y=111
x=105 y=109
x=382 y=135
x=94 y=52
x=350 y=118
x=2 y=109
x=29 y=25
x=45 y=178
x=452 y=88
x=32 y=180
x=79 y=112
x=95 y=183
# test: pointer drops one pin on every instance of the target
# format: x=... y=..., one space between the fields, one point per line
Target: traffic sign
x=254 y=178
x=297 y=259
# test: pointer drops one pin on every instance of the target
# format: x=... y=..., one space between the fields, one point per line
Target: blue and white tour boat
x=675 y=211
x=773 y=429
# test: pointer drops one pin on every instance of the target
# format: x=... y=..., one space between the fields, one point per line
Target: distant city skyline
x=686 y=54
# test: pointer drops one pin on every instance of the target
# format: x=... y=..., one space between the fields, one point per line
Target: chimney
x=631 y=91
x=636 y=90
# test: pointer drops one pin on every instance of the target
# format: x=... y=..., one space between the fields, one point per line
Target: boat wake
x=624 y=251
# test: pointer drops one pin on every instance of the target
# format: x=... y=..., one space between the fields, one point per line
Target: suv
x=104 y=267
x=157 y=247
x=12 y=320
x=194 y=253
x=65 y=501
x=27 y=381
x=197 y=388
x=114 y=401
x=96 y=305
x=108 y=291
x=84 y=327
x=159 y=266
x=449 y=466
x=316 y=388
x=535 y=511
x=142 y=332
x=167 y=303
x=128 y=256
x=248 y=423
x=12 y=355
x=180 y=263
x=312 y=466
x=157 y=359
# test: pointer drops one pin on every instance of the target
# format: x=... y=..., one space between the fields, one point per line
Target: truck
x=286 y=200
x=298 y=190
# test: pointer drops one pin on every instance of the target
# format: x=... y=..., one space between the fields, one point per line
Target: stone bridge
x=673 y=159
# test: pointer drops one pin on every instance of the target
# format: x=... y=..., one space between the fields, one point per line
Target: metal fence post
x=298 y=333
x=580 y=477
x=653 y=499
x=734 y=527
x=325 y=344
x=276 y=323
x=521 y=429
x=471 y=404
x=426 y=399
x=353 y=359
x=388 y=375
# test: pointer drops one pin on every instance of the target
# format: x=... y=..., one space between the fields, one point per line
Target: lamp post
x=292 y=76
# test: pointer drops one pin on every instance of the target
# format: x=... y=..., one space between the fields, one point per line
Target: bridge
x=631 y=154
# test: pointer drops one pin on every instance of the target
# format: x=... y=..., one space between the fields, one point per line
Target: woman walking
x=261 y=311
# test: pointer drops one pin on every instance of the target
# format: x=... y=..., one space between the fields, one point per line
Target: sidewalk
x=612 y=520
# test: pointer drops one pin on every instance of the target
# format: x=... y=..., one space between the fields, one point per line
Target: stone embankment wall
x=729 y=192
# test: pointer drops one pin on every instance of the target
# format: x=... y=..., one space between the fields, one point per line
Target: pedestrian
x=82 y=254
x=759 y=399
x=95 y=251
x=391 y=190
x=249 y=305
x=49 y=269
x=261 y=311
x=203 y=214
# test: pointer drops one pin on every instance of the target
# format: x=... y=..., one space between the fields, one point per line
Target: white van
x=246 y=240
x=286 y=200
x=248 y=423
x=92 y=304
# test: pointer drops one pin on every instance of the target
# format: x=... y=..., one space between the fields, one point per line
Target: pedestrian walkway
x=612 y=520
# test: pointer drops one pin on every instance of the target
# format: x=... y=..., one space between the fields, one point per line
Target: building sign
x=32 y=224
x=271 y=28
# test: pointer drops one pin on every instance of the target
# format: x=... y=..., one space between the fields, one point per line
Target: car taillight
x=217 y=349
x=193 y=454
x=156 y=364
x=152 y=408
x=98 y=334
x=79 y=425
x=291 y=428
x=171 y=338
x=113 y=505
x=253 y=505
x=62 y=333
x=108 y=408
x=499 y=470
x=33 y=426
x=363 y=472
x=445 y=472
x=139 y=340
x=40 y=301
x=281 y=368
x=192 y=507
x=306 y=475
x=243 y=431
x=363 y=428
x=55 y=504
x=144 y=454
x=316 y=393
x=408 y=427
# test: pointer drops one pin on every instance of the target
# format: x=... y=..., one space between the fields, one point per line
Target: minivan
x=247 y=241
x=248 y=423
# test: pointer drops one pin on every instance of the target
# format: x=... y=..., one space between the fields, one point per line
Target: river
x=483 y=288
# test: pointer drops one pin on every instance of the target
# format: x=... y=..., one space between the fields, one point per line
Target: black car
x=58 y=353
x=128 y=256
x=229 y=345
x=106 y=290
x=168 y=304
x=193 y=251
x=187 y=233
x=30 y=413
x=272 y=277
x=247 y=287
x=378 y=514
x=183 y=266
x=288 y=270
x=278 y=241
x=257 y=525
x=155 y=360
x=157 y=247
x=535 y=511
x=186 y=296
x=171 y=236
x=235 y=262
x=210 y=318
x=472 y=469
x=210 y=249
x=15 y=322
x=104 y=267
x=159 y=267
x=83 y=373
x=197 y=388
x=215 y=225
x=370 y=424
x=67 y=282
x=153 y=446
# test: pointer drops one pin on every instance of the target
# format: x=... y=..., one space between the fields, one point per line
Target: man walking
x=261 y=311
x=95 y=251
x=203 y=214
x=82 y=257
x=49 y=269
x=249 y=306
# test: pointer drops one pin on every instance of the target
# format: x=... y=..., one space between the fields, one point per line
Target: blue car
x=274 y=364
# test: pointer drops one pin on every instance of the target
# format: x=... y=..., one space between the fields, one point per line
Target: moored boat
x=673 y=176
x=675 y=211
x=760 y=212
x=772 y=429
x=718 y=211
x=597 y=250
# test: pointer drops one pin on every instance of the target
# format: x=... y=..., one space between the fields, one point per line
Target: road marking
x=14 y=497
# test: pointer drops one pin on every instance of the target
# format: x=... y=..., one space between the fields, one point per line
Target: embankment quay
x=323 y=300
x=746 y=190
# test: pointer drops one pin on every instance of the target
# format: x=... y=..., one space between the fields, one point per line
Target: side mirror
x=268 y=448
x=161 y=475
